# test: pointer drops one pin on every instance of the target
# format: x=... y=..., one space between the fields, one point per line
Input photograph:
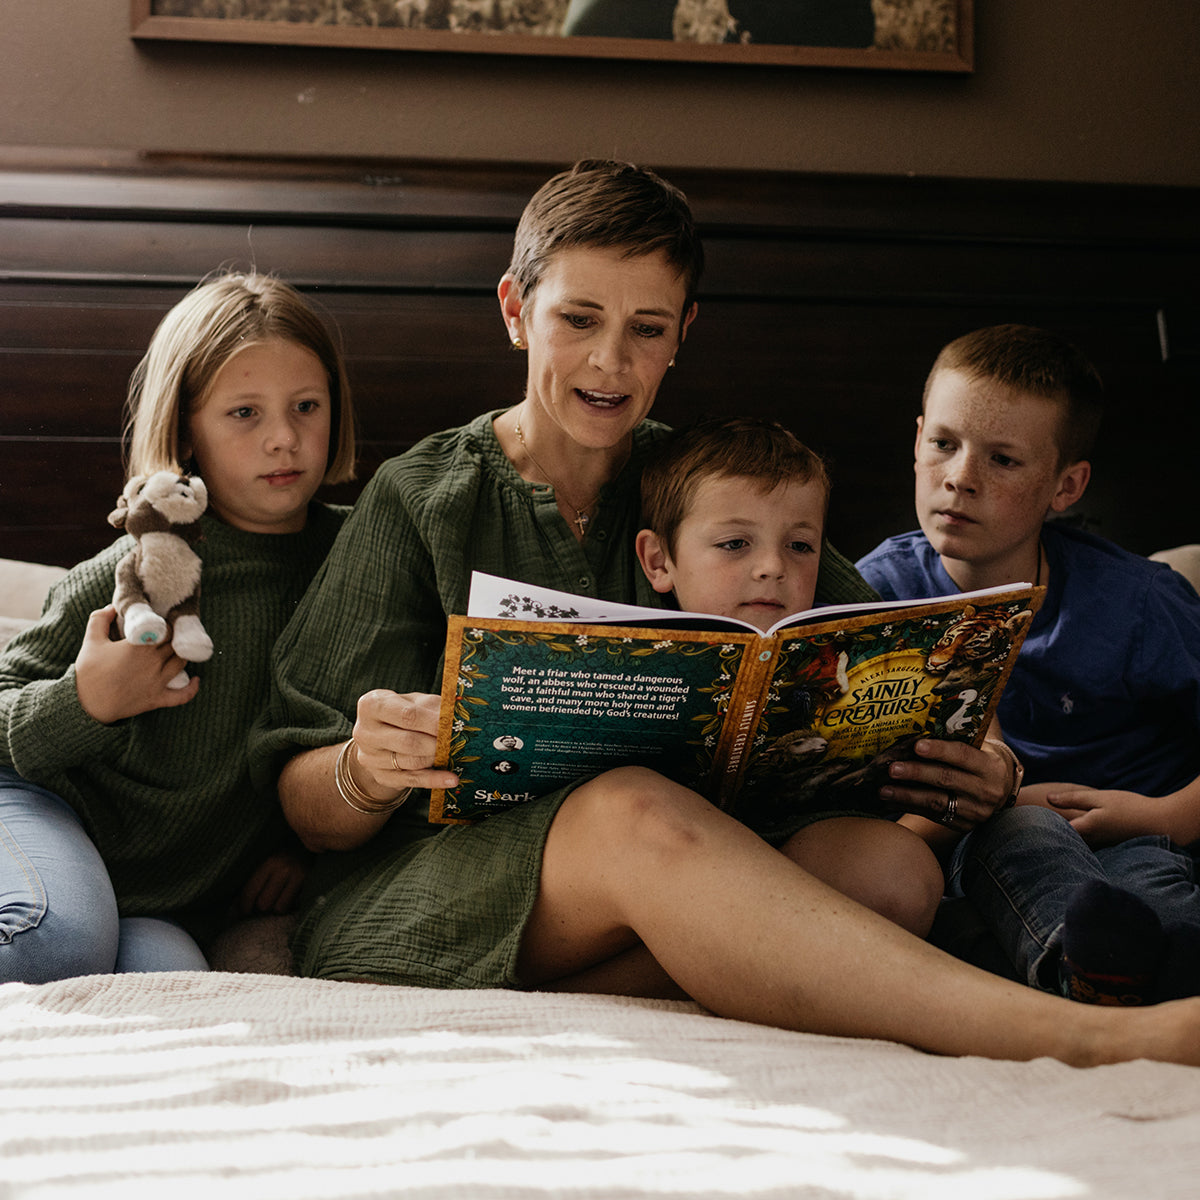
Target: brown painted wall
x=1084 y=90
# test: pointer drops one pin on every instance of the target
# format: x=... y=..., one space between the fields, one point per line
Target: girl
x=128 y=817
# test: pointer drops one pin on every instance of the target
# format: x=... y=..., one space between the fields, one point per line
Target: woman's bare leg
x=751 y=935
x=884 y=866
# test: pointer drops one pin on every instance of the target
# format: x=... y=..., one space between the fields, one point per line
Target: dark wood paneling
x=824 y=302
x=55 y=494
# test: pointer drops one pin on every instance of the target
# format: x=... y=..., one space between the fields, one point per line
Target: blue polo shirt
x=1106 y=690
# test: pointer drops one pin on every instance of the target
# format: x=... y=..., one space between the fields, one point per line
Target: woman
x=635 y=885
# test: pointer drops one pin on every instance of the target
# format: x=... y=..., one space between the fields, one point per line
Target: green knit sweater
x=166 y=796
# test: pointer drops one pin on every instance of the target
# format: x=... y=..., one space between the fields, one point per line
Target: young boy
x=735 y=511
x=1105 y=694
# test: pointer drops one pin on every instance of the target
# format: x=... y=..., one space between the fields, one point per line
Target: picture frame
x=910 y=35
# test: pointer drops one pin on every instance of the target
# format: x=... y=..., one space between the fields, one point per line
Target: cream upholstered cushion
x=1184 y=559
x=23 y=588
x=9 y=628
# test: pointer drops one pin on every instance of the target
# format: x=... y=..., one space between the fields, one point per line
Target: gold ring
x=395 y=764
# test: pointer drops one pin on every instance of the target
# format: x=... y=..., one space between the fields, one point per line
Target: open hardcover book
x=544 y=687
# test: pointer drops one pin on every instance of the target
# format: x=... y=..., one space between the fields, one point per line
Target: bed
x=263 y=1086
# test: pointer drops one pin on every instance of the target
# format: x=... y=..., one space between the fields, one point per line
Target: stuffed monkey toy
x=157 y=591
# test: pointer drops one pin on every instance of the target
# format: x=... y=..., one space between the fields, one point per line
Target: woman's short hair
x=604 y=204
x=226 y=313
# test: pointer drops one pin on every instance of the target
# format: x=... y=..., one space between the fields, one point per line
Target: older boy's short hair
x=1041 y=363
x=603 y=204
x=752 y=448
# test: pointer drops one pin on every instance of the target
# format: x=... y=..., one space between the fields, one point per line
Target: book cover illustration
x=844 y=702
x=559 y=687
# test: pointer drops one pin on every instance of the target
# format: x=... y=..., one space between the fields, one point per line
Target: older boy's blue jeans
x=58 y=913
x=1019 y=869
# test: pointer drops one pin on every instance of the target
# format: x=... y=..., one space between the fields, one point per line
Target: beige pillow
x=23 y=587
x=1184 y=559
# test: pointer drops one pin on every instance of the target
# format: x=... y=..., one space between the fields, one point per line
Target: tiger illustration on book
x=973 y=649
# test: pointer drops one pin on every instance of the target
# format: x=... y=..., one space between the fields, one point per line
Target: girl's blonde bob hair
x=225 y=313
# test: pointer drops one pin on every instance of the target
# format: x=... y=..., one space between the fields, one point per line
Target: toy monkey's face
x=174 y=499
x=179 y=498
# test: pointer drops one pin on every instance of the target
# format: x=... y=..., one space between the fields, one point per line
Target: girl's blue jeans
x=58 y=913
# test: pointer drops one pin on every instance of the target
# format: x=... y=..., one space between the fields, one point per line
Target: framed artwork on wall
x=890 y=35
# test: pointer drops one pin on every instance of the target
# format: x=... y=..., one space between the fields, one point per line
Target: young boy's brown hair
x=751 y=448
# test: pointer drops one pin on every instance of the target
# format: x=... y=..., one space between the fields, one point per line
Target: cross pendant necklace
x=581 y=514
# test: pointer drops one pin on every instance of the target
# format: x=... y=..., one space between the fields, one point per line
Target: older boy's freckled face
x=987 y=471
x=742 y=552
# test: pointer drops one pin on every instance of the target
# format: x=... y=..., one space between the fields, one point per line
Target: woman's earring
x=671 y=363
x=517 y=344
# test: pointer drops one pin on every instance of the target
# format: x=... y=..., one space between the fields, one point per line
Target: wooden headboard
x=824 y=303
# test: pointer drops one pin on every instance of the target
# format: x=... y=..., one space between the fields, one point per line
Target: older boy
x=735 y=511
x=1105 y=694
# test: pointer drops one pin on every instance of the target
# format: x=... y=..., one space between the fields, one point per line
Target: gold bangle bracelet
x=354 y=796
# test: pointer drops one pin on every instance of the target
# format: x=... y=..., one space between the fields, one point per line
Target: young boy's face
x=987 y=473
x=742 y=552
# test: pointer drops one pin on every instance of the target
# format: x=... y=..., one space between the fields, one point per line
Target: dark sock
x=1113 y=944
x=1179 y=975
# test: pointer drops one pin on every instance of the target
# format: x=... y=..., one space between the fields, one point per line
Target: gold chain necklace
x=581 y=514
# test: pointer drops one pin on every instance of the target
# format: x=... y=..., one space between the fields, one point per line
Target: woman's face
x=601 y=329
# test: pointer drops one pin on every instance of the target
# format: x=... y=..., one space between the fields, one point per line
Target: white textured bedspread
x=256 y=1087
